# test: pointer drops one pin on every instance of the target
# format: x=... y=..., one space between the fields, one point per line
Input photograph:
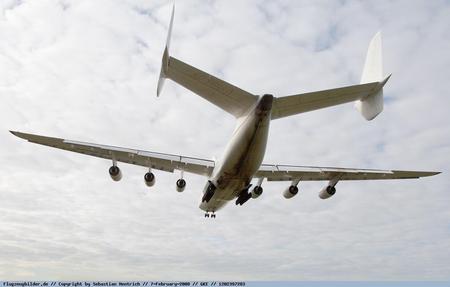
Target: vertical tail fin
x=165 y=59
x=373 y=67
x=372 y=105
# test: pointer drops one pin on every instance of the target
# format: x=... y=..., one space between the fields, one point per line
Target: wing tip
x=418 y=174
x=25 y=136
x=17 y=134
x=428 y=173
x=431 y=173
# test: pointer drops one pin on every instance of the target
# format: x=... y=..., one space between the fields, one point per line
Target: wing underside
x=170 y=162
x=159 y=161
x=311 y=173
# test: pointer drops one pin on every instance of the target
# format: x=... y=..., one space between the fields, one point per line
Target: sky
x=87 y=70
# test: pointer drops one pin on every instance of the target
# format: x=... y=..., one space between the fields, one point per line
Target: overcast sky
x=87 y=70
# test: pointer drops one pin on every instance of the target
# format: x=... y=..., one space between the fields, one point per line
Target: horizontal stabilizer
x=218 y=92
x=368 y=94
x=302 y=103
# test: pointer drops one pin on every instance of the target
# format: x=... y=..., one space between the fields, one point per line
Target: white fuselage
x=242 y=157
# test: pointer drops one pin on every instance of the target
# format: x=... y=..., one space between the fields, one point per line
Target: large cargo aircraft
x=230 y=177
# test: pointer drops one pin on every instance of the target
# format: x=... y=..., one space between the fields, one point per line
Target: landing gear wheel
x=207 y=214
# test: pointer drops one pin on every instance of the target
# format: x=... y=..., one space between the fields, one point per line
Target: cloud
x=87 y=71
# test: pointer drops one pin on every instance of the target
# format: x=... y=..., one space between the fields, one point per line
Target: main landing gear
x=213 y=215
x=209 y=192
x=244 y=196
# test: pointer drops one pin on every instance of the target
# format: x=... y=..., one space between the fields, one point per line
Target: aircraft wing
x=313 y=173
x=159 y=161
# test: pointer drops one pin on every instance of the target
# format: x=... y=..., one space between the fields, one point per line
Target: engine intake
x=149 y=179
x=115 y=173
x=327 y=192
x=257 y=191
x=290 y=192
x=181 y=184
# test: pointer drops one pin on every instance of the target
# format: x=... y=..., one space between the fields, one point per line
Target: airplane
x=230 y=177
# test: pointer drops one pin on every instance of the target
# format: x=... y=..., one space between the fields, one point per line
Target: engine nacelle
x=257 y=191
x=149 y=179
x=327 y=192
x=181 y=184
x=115 y=173
x=290 y=192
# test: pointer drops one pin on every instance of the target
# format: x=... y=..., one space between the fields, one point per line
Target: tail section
x=372 y=105
x=373 y=67
x=368 y=95
x=218 y=92
x=165 y=59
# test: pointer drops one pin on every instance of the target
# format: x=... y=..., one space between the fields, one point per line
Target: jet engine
x=181 y=184
x=115 y=173
x=327 y=192
x=257 y=191
x=290 y=192
x=149 y=179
